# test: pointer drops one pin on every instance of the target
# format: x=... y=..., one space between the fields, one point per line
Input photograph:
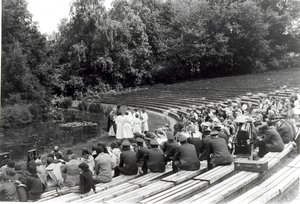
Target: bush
x=15 y=116
x=65 y=103
x=83 y=106
x=95 y=108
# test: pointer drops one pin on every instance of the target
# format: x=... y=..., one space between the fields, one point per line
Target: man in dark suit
x=270 y=140
x=169 y=148
x=186 y=156
x=205 y=148
x=141 y=154
x=155 y=158
x=285 y=129
x=128 y=164
x=218 y=127
x=219 y=150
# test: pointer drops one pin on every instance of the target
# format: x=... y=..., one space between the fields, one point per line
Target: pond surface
x=45 y=135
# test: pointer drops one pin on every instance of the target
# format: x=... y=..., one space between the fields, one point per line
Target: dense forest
x=138 y=42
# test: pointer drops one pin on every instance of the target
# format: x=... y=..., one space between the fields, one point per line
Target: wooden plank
x=143 y=180
x=215 y=174
x=252 y=166
x=183 y=175
x=184 y=192
x=287 y=149
x=142 y=193
x=110 y=193
x=273 y=162
x=155 y=198
x=295 y=163
x=225 y=188
x=248 y=196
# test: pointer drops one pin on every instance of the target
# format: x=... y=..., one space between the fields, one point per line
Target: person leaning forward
x=186 y=157
x=128 y=164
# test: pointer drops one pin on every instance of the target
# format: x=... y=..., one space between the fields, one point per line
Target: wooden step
x=183 y=175
x=215 y=174
x=221 y=190
x=142 y=193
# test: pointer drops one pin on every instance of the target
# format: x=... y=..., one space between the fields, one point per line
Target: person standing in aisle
x=144 y=117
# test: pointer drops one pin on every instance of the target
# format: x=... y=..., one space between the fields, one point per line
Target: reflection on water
x=44 y=135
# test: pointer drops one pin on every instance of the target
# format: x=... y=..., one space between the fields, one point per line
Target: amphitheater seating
x=273 y=186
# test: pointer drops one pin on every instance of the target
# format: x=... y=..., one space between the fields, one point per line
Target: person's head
x=103 y=146
x=154 y=143
x=69 y=152
x=170 y=136
x=99 y=149
x=11 y=164
x=139 y=141
x=49 y=160
x=31 y=167
x=84 y=167
x=137 y=115
x=182 y=139
x=85 y=153
x=119 y=113
x=56 y=148
x=51 y=155
x=73 y=157
x=214 y=133
x=114 y=145
x=125 y=145
x=126 y=113
x=18 y=167
x=58 y=155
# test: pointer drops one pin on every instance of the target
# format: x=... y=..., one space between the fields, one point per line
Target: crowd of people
x=125 y=125
x=213 y=133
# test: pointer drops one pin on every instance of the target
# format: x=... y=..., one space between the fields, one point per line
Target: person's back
x=220 y=150
x=156 y=162
x=72 y=172
x=273 y=140
x=128 y=162
x=285 y=131
x=33 y=183
x=170 y=147
x=103 y=168
x=86 y=179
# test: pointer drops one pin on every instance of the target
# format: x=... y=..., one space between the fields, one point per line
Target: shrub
x=95 y=108
x=83 y=106
x=15 y=116
x=65 y=103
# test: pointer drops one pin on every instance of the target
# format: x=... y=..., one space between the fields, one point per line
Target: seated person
x=170 y=148
x=86 y=179
x=103 y=166
x=219 y=153
x=141 y=153
x=186 y=156
x=270 y=140
x=71 y=171
x=155 y=158
x=34 y=184
x=128 y=164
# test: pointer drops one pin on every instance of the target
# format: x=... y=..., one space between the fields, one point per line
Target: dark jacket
x=170 y=148
x=156 y=160
x=86 y=182
x=188 y=157
x=224 y=136
x=205 y=149
x=285 y=131
x=128 y=164
x=141 y=154
x=34 y=186
x=197 y=142
x=219 y=148
x=273 y=140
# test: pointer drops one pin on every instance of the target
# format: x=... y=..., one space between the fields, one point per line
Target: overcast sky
x=48 y=13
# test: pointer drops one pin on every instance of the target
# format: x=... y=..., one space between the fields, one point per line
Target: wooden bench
x=142 y=193
x=273 y=186
x=99 y=187
x=190 y=186
x=221 y=190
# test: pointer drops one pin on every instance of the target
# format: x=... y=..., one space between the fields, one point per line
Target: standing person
x=34 y=184
x=128 y=164
x=155 y=158
x=102 y=166
x=219 y=153
x=144 y=117
x=127 y=126
x=72 y=171
x=119 y=120
x=86 y=179
x=170 y=148
x=137 y=124
x=186 y=156
x=56 y=152
x=111 y=125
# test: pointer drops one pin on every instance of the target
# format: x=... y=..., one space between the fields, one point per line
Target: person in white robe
x=127 y=126
x=119 y=120
x=137 y=124
x=144 y=117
